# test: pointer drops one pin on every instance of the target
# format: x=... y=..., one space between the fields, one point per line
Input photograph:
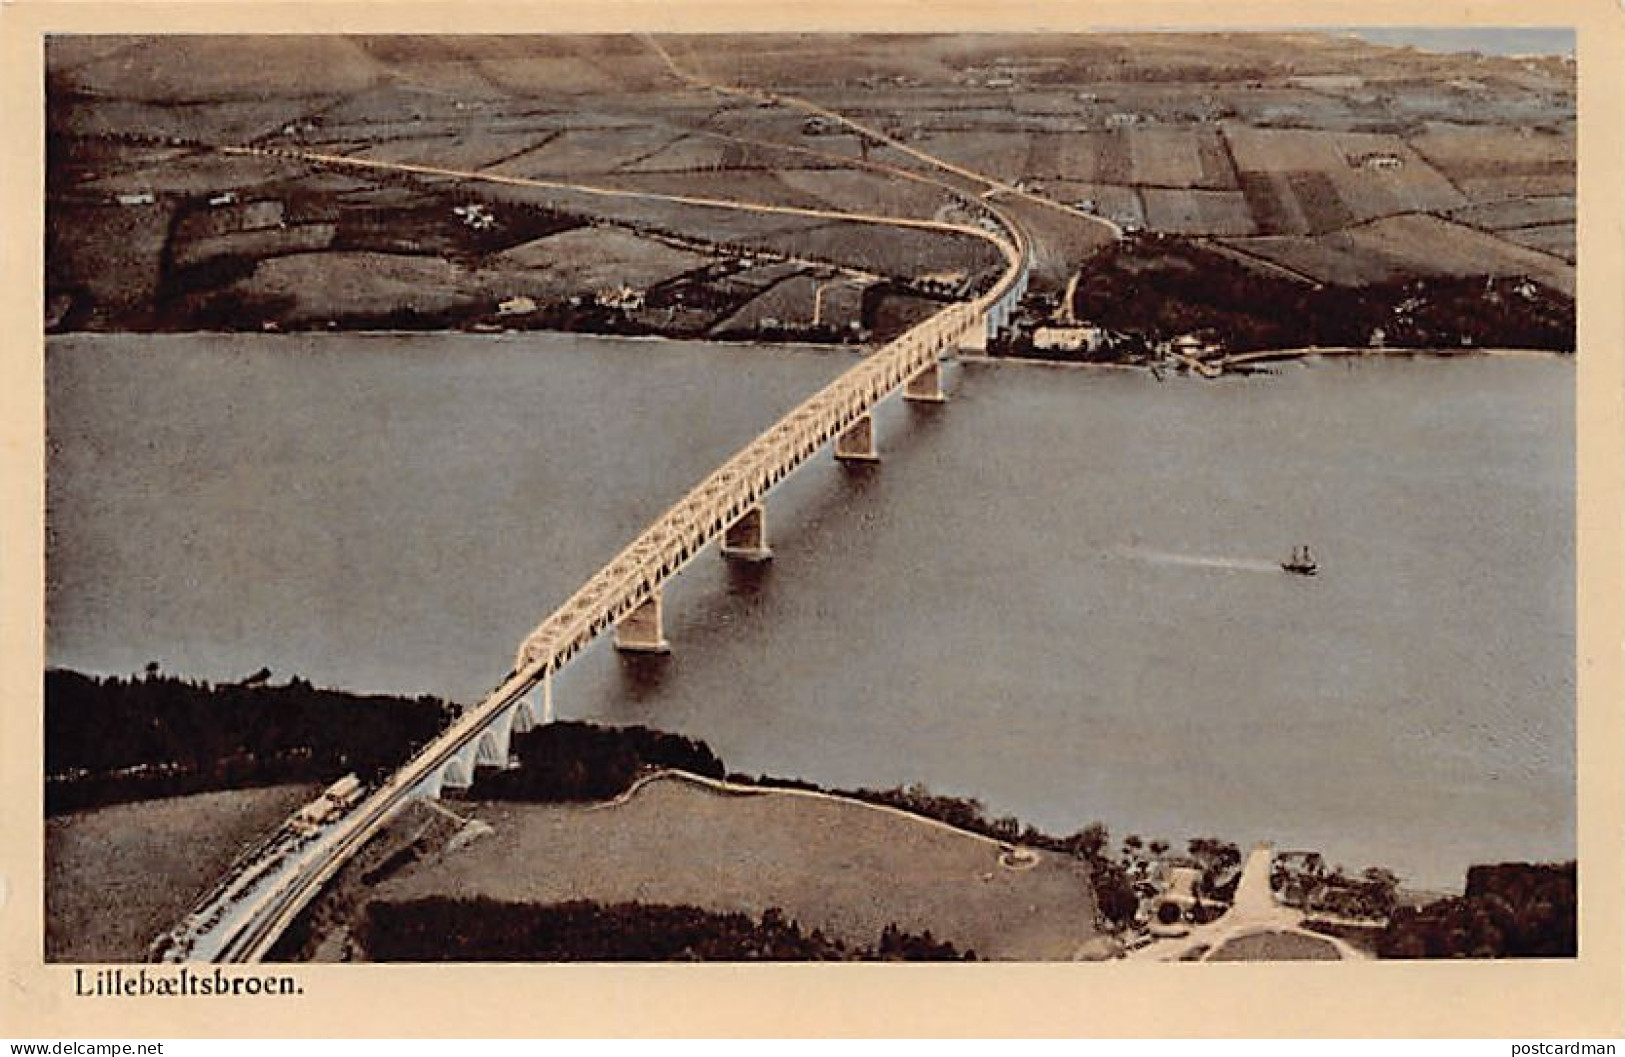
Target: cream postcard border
x=1582 y=998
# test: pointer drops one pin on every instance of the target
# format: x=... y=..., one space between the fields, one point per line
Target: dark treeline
x=581 y=761
x=1511 y=910
x=1154 y=288
x=115 y=740
x=486 y=930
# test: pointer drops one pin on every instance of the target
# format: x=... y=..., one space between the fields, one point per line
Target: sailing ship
x=1302 y=562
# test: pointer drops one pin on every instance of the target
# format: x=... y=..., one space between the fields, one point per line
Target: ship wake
x=1199 y=561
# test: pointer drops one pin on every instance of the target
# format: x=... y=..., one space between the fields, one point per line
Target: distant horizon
x=1487 y=40
x=1490 y=40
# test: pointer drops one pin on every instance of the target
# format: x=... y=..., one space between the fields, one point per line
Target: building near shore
x=1087 y=338
x=1193 y=346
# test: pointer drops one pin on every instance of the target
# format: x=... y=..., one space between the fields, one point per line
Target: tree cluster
x=1511 y=910
x=1154 y=288
x=1218 y=860
x=114 y=740
x=442 y=929
x=580 y=761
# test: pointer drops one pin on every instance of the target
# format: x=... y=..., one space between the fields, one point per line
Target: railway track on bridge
x=633 y=578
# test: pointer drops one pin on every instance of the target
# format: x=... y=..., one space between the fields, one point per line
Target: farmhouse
x=1086 y=338
x=1381 y=161
x=476 y=216
x=1192 y=346
x=622 y=296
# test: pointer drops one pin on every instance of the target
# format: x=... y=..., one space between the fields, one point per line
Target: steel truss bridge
x=625 y=595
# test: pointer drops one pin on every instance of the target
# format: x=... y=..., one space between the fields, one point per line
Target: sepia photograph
x=1106 y=495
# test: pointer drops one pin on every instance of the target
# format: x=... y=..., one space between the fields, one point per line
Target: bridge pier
x=926 y=387
x=640 y=631
x=857 y=444
x=746 y=539
x=996 y=317
x=524 y=716
x=429 y=787
x=458 y=772
x=492 y=746
x=974 y=338
x=535 y=709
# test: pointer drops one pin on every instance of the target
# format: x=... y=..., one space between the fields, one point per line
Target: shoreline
x=499 y=336
x=1311 y=351
x=1216 y=368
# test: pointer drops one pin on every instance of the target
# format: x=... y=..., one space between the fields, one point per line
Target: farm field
x=1410 y=245
x=1556 y=239
x=1300 y=181
x=1477 y=151
x=787 y=303
x=1167 y=158
x=855 y=191
x=1278 y=150
x=1197 y=212
x=897 y=252
x=721 y=227
x=1517 y=213
x=1323 y=154
x=1109 y=200
x=696 y=153
x=464 y=151
x=867 y=247
x=586 y=259
x=1002 y=155
x=763 y=186
x=316 y=287
x=181 y=174
x=117 y=877
x=1500 y=188
x=1081 y=157
x=589 y=151
x=844 y=867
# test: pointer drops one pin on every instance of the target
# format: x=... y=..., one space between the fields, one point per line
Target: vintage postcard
x=516 y=502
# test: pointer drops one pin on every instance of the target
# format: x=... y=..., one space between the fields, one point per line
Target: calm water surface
x=1057 y=593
